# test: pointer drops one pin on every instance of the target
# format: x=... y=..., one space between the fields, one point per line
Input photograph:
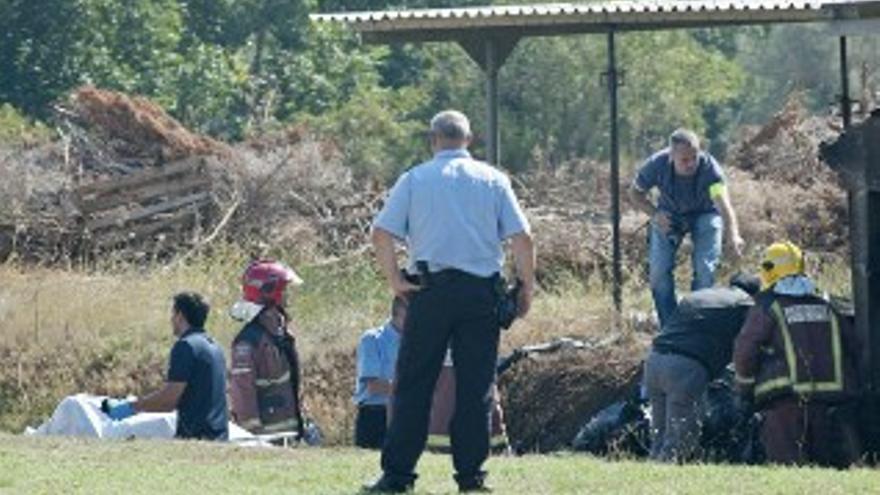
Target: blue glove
x=118 y=409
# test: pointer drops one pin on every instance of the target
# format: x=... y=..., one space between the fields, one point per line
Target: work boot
x=388 y=484
x=475 y=483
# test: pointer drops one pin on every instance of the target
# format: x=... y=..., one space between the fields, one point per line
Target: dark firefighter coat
x=796 y=346
x=264 y=378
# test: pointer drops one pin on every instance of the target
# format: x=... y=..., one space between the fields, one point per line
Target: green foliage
x=233 y=23
x=673 y=89
x=16 y=129
x=210 y=91
x=805 y=59
x=554 y=101
x=53 y=46
x=232 y=68
x=376 y=133
x=785 y=59
x=362 y=5
x=323 y=76
x=552 y=93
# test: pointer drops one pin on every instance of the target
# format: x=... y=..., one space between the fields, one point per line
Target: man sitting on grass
x=196 y=382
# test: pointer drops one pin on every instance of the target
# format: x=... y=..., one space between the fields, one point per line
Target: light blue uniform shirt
x=453 y=212
x=376 y=358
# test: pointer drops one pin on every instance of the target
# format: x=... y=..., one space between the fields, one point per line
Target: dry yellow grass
x=107 y=331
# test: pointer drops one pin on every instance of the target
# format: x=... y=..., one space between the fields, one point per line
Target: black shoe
x=473 y=484
x=386 y=484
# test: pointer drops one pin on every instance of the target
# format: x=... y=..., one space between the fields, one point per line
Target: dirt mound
x=546 y=401
x=126 y=178
x=780 y=187
x=136 y=128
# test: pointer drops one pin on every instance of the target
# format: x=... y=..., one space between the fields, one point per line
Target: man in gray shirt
x=453 y=213
x=693 y=200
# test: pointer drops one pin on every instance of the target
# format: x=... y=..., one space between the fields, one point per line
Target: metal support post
x=613 y=84
x=845 y=103
x=493 y=152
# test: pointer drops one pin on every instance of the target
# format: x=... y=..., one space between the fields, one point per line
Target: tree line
x=235 y=68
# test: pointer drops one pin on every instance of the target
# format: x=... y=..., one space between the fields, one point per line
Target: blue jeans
x=706 y=231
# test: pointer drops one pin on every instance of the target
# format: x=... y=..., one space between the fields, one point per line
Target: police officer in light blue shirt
x=376 y=359
x=453 y=213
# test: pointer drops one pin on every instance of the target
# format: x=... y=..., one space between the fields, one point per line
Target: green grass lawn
x=65 y=465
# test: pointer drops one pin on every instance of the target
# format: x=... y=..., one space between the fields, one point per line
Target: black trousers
x=456 y=310
x=370 y=426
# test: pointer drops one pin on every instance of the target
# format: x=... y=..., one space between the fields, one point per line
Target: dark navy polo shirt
x=198 y=361
x=681 y=195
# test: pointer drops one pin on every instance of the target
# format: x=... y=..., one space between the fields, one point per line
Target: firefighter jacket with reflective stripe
x=796 y=346
x=264 y=380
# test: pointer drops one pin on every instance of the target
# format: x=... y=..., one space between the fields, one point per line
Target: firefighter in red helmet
x=264 y=376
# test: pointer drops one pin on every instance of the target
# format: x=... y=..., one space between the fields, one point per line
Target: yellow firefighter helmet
x=781 y=259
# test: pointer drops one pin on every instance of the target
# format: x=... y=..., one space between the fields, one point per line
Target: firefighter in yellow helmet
x=782 y=259
x=795 y=360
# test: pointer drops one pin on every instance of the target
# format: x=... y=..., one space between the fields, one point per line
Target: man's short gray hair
x=451 y=124
x=686 y=137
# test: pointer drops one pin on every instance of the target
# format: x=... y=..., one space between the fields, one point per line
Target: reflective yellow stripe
x=251 y=424
x=817 y=387
x=716 y=190
x=286 y=425
x=498 y=441
x=268 y=382
x=445 y=441
x=836 y=385
x=836 y=350
x=790 y=357
x=770 y=385
x=744 y=380
x=439 y=441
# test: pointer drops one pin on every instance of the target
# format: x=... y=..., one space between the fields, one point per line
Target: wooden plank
x=142 y=213
x=138 y=196
x=143 y=231
x=135 y=180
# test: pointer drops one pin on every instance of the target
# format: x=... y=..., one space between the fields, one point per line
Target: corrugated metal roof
x=596 y=16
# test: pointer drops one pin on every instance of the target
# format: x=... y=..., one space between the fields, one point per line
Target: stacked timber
x=160 y=203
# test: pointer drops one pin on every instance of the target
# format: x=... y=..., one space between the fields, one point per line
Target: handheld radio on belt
x=507 y=307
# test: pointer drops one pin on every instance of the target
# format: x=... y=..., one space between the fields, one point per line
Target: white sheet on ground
x=81 y=415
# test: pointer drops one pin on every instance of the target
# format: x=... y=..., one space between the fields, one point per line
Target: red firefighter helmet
x=263 y=284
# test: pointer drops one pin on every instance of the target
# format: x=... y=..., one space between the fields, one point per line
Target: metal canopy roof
x=593 y=17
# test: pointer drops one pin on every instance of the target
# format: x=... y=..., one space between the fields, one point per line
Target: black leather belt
x=427 y=278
